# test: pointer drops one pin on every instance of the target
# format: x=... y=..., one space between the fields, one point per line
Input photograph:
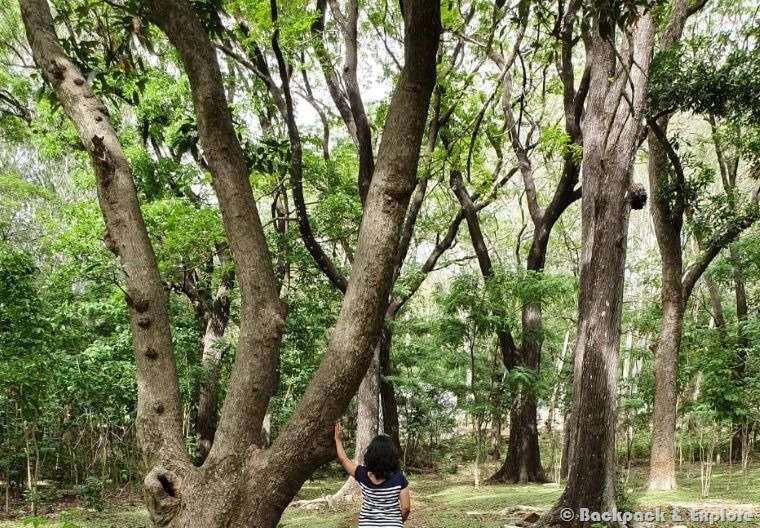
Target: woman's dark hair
x=381 y=457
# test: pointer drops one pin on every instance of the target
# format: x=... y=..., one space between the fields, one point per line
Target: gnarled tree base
x=523 y=462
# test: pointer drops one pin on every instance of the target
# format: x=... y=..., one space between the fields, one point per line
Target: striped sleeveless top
x=380 y=502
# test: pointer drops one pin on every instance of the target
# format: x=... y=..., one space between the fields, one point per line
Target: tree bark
x=662 y=461
x=304 y=441
x=240 y=484
x=261 y=312
x=666 y=177
x=213 y=349
x=668 y=192
x=611 y=131
x=368 y=420
x=159 y=428
x=523 y=462
x=668 y=222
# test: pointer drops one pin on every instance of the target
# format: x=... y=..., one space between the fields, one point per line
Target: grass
x=454 y=502
x=77 y=518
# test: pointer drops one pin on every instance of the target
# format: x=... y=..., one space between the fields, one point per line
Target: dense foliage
x=67 y=374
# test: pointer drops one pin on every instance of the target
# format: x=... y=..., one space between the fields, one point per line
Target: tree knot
x=57 y=71
x=140 y=305
x=110 y=243
x=637 y=195
x=162 y=495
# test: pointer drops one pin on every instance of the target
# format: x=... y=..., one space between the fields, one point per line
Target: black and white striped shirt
x=380 y=502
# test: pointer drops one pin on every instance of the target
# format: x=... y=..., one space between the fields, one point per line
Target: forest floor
x=452 y=501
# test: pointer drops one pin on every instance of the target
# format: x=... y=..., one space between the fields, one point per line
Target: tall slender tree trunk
x=668 y=222
x=668 y=186
x=607 y=199
x=662 y=463
x=665 y=173
x=742 y=344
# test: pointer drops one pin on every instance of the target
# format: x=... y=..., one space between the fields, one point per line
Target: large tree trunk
x=668 y=208
x=240 y=484
x=270 y=479
x=591 y=478
x=606 y=204
x=523 y=462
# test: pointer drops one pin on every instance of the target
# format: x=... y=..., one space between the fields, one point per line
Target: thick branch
x=254 y=375
x=714 y=247
x=304 y=442
x=159 y=428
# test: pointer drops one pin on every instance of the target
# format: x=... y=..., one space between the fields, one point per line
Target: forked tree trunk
x=239 y=484
x=606 y=204
x=667 y=216
x=677 y=286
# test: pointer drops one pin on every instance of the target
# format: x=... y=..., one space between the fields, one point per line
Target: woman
x=385 y=490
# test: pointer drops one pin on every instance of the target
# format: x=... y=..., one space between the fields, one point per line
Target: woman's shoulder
x=398 y=479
